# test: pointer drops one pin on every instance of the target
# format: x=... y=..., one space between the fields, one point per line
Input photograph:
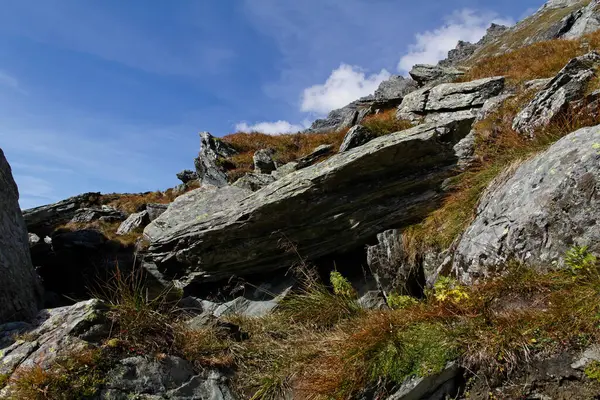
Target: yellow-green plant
x=447 y=288
x=579 y=259
x=341 y=285
x=399 y=302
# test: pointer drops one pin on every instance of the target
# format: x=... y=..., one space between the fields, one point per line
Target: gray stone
x=464 y=50
x=569 y=85
x=536 y=214
x=55 y=333
x=316 y=155
x=263 y=161
x=387 y=261
x=134 y=222
x=208 y=163
x=254 y=182
x=284 y=170
x=20 y=290
x=45 y=219
x=214 y=235
x=155 y=210
x=436 y=387
x=187 y=176
x=449 y=97
x=171 y=378
x=391 y=91
x=104 y=213
x=356 y=136
x=425 y=74
x=372 y=300
x=586 y=20
x=537 y=84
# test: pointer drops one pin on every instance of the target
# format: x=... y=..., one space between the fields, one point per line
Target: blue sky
x=110 y=95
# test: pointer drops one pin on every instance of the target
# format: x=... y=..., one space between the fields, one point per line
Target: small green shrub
x=579 y=259
x=341 y=285
x=399 y=302
x=421 y=350
x=592 y=371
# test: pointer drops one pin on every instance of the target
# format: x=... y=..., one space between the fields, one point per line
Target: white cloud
x=432 y=46
x=271 y=128
x=345 y=84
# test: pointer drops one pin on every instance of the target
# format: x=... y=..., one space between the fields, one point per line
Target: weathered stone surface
x=436 y=387
x=133 y=222
x=464 y=50
x=356 y=136
x=586 y=20
x=254 y=182
x=394 y=89
x=170 y=378
x=263 y=161
x=43 y=220
x=316 y=155
x=20 y=290
x=389 y=94
x=449 y=97
x=547 y=206
x=104 y=213
x=54 y=333
x=387 y=261
x=425 y=74
x=569 y=85
x=212 y=152
x=155 y=210
x=187 y=176
x=284 y=170
x=210 y=236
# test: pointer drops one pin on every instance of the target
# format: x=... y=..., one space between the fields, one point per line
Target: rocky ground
x=437 y=239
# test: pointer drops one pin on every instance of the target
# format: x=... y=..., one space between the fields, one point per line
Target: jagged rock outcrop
x=103 y=214
x=254 y=182
x=553 y=100
x=20 y=290
x=263 y=161
x=426 y=75
x=209 y=163
x=536 y=214
x=330 y=207
x=449 y=98
x=134 y=222
x=356 y=136
x=54 y=333
x=284 y=170
x=186 y=176
x=170 y=378
x=43 y=220
x=464 y=50
x=586 y=21
x=155 y=210
x=316 y=155
x=389 y=94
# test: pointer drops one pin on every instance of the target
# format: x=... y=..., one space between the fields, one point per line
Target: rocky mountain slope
x=437 y=239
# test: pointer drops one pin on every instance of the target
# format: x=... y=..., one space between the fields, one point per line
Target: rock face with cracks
x=20 y=291
x=327 y=208
x=538 y=213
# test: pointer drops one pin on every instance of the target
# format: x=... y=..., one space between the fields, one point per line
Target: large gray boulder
x=263 y=161
x=54 y=333
x=356 y=136
x=326 y=208
x=254 y=182
x=44 y=220
x=171 y=378
x=446 y=98
x=388 y=95
x=535 y=215
x=104 y=213
x=208 y=164
x=134 y=222
x=20 y=292
x=553 y=100
x=586 y=20
x=425 y=74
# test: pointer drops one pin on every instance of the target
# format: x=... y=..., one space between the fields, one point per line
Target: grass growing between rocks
x=75 y=376
x=498 y=151
x=291 y=147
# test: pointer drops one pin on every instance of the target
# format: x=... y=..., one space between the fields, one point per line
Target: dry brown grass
x=288 y=147
x=108 y=229
x=385 y=123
